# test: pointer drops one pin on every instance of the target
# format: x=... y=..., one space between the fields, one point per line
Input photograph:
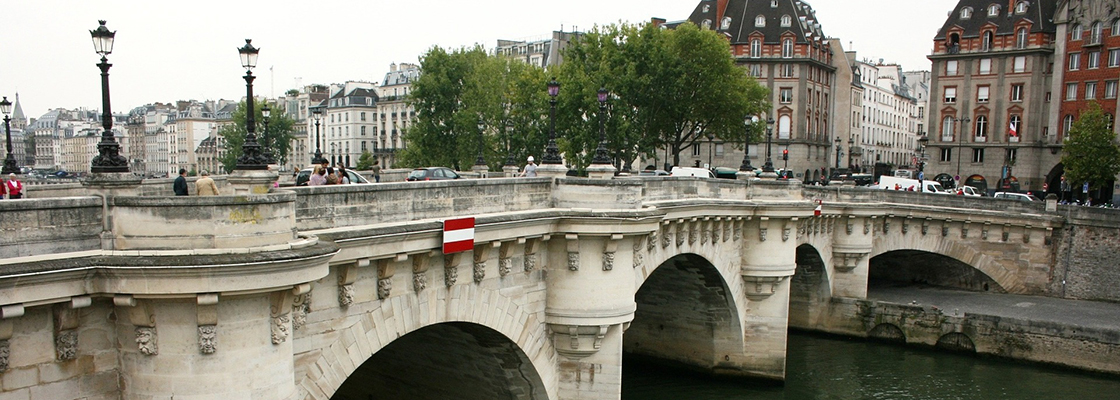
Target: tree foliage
x=276 y=138
x=1090 y=153
x=365 y=161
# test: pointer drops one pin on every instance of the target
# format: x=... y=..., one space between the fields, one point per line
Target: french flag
x=458 y=235
x=1013 y=132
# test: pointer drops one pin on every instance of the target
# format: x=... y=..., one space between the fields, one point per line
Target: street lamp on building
x=252 y=156
x=769 y=166
x=851 y=143
x=746 y=165
x=960 y=142
x=318 y=159
x=837 y=153
x=551 y=152
x=601 y=156
x=10 y=166
x=108 y=157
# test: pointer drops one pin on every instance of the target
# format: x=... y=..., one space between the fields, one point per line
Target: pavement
x=1089 y=314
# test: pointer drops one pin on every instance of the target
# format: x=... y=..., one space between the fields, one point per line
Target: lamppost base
x=113 y=183
x=552 y=170
x=10 y=166
x=601 y=171
x=482 y=170
x=510 y=171
x=769 y=175
x=246 y=182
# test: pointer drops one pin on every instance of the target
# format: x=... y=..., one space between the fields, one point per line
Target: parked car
x=726 y=172
x=305 y=175
x=966 y=191
x=692 y=171
x=1015 y=196
x=653 y=172
x=432 y=174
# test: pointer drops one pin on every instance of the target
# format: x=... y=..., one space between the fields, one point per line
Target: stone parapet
x=202 y=222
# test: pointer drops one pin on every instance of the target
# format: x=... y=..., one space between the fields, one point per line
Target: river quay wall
x=1087 y=348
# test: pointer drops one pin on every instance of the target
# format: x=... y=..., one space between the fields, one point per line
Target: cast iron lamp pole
x=551 y=152
x=922 y=141
x=318 y=159
x=510 y=160
x=746 y=165
x=252 y=156
x=109 y=157
x=769 y=166
x=10 y=166
x=837 y=153
x=960 y=153
x=851 y=143
x=601 y=156
x=481 y=127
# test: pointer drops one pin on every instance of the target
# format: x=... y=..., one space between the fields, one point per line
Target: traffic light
x=785 y=154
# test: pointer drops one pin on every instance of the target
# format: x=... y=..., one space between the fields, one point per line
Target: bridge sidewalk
x=1089 y=314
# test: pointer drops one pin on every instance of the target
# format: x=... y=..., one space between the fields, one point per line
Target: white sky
x=180 y=50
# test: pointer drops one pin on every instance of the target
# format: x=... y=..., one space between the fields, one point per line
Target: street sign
x=458 y=235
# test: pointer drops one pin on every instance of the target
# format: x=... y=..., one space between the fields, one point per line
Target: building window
x=760 y=21
x=1075 y=32
x=986 y=45
x=756 y=70
x=947 y=129
x=1016 y=126
x=950 y=95
x=1095 y=33
x=1016 y=92
x=1116 y=27
x=706 y=24
x=1094 y=60
x=1074 y=61
x=1090 y=90
x=951 y=67
x=696 y=149
x=719 y=149
x=773 y=3
x=363 y=116
x=993 y=10
x=786 y=21
x=982 y=126
x=1012 y=154
x=1067 y=123
x=985 y=66
x=784 y=123
x=1020 y=64
x=946 y=154
x=982 y=94
x=966 y=13
x=787 y=48
x=786 y=96
x=1021 y=38
x=1071 y=91
x=977 y=155
x=1114 y=58
x=787 y=70
x=756 y=48
x=1021 y=7
x=363 y=131
x=1110 y=90
x=725 y=23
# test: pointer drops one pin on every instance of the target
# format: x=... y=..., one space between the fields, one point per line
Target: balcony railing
x=1013 y=139
x=980 y=139
x=947 y=138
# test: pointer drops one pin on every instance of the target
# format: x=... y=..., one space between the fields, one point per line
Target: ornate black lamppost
x=10 y=166
x=960 y=141
x=252 y=156
x=318 y=159
x=510 y=160
x=266 y=112
x=551 y=152
x=481 y=127
x=922 y=141
x=851 y=142
x=769 y=166
x=109 y=157
x=837 y=153
x=746 y=165
x=601 y=156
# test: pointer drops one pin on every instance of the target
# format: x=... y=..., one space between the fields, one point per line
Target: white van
x=896 y=183
x=692 y=171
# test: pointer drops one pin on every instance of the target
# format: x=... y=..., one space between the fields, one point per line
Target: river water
x=828 y=367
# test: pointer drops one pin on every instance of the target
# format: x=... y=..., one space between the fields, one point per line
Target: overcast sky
x=180 y=50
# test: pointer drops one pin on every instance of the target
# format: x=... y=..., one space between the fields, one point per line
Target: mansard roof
x=1040 y=14
x=736 y=19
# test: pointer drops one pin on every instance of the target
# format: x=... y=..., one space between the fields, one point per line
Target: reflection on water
x=826 y=367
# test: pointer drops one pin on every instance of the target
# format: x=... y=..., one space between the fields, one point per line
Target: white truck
x=907 y=184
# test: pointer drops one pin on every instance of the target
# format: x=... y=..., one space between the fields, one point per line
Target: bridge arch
x=927 y=268
x=810 y=287
x=409 y=331
x=689 y=313
x=930 y=252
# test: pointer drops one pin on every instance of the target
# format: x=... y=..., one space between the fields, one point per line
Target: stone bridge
x=343 y=292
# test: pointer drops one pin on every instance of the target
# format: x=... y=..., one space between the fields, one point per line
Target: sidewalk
x=1090 y=314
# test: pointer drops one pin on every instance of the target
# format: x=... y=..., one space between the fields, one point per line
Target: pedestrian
x=332 y=178
x=530 y=170
x=180 y=185
x=205 y=185
x=317 y=176
x=13 y=187
x=376 y=170
x=342 y=178
x=3 y=188
x=1065 y=187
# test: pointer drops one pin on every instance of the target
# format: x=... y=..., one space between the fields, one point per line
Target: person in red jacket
x=13 y=187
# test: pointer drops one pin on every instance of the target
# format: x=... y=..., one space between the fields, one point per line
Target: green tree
x=365 y=161
x=276 y=139
x=1090 y=152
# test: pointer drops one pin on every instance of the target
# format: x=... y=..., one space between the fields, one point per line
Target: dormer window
x=966 y=13
x=760 y=21
x=787 y=48
x=725 y=24
x=993 y=10
x=786 y=21
x=1021 y=8
x=706 y=8
x=707 y=24
x=773 y=3
x=756 y=48
x=1075 y=32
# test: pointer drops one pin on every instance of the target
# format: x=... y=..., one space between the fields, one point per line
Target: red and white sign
x=817 y=211
x=458 y=235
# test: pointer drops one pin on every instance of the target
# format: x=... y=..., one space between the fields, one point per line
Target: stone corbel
x=693 y=231
x=728 y=225
x=608 y=251
x=925 y=225
x=887 y=223
x=451 y=268
x=280 y=307
x=578 y=341
x=6 y=329
x=717 y=227
x=964 y=229
x=347 y=274
x=1027 y=234
x=207 y=314
x=788 y=228
x=737 y=229
x=906 y=224
x=1049 y=238
x=505 y=258
x=832 y=221
x=945 y=227
x=385 y=271
x=667 y=234
x=984 y=230
x=682 y=233
x=637 y=257
x=762 y=228
x=1006 y=232
x=705 y=230
x=572 y=242
x=420 y=264
x=141 y=316
x=867 y=225
x=481 y=256
x=759 y=288
x=531 y=248
x=850 y=225
x=651 y=241
x=846 y=262
x=66 y=319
